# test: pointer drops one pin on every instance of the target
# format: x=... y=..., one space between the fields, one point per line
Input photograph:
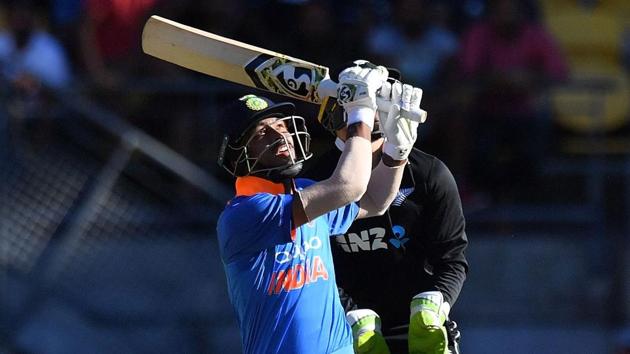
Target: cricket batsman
x=274 y=235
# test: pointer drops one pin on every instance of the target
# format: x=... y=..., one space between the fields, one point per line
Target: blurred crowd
x=503 y=79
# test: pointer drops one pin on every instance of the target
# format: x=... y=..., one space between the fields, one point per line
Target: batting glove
x=400 y=132
x=427 y=330
x=366 y=332
x=356 y=91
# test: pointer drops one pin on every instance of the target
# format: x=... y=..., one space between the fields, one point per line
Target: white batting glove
x=384 y=100
x=400 y=132
x=356 y=91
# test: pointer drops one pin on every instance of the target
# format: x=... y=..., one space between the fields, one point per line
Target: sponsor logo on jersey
x=399 y=238
x=298 y=251
x=308 y=270
x=366 y=240
x=372 y=239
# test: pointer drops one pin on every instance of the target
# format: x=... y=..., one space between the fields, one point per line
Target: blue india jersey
x=281 y=282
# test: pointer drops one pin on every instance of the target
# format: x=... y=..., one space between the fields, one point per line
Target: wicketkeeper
x=400 y=273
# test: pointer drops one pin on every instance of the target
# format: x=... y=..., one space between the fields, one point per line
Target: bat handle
x=328 y=88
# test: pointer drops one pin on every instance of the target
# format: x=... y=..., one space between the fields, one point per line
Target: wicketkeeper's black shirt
x=418 y=245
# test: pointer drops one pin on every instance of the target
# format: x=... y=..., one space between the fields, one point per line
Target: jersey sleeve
x=250 y=224
x=445 y=220
x=340 y=219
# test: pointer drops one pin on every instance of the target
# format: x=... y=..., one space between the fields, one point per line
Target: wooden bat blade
x=232 y=60
x=242 y=63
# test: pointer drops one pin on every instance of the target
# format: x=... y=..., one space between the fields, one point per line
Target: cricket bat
x=242 y=63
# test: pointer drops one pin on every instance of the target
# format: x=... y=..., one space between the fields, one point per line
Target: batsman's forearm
x=382 y=188
x=347 y=184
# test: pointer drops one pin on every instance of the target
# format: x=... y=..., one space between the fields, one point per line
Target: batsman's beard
x=279 y=173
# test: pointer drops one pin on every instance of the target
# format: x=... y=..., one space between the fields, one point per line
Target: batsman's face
x=272 y=142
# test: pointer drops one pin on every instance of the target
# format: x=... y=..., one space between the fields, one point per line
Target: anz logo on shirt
x=399 y=238
x=372 y=239
x=307 y=271
x=366 y=240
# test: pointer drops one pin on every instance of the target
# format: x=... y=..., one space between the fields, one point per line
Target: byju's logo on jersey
x=399 y=238
x=366 y=240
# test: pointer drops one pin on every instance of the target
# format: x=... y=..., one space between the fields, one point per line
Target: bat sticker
x=286 y=77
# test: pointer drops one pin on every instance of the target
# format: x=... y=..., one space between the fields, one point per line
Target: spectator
x=419 y=42
x=594 y=37
x=507 y=61
x=29 y=55
x=30 y=58
x=110 y=37
x=318 y=38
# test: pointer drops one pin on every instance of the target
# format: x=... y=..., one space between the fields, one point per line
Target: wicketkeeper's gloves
x=454 y=336
x=427 y=330
x=366 y=332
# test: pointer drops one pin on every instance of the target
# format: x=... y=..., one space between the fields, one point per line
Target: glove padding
x=400 y=132
x=427 y=330
x=356 y=91
x=366 y=332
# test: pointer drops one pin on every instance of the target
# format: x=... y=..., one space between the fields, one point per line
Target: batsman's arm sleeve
x=447 y=239
x=347 y=184
x=381 y=190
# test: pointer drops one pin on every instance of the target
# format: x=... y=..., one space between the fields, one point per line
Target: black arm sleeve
x=447 y=239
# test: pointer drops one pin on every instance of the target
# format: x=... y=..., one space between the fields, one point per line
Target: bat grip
x=328 y=88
